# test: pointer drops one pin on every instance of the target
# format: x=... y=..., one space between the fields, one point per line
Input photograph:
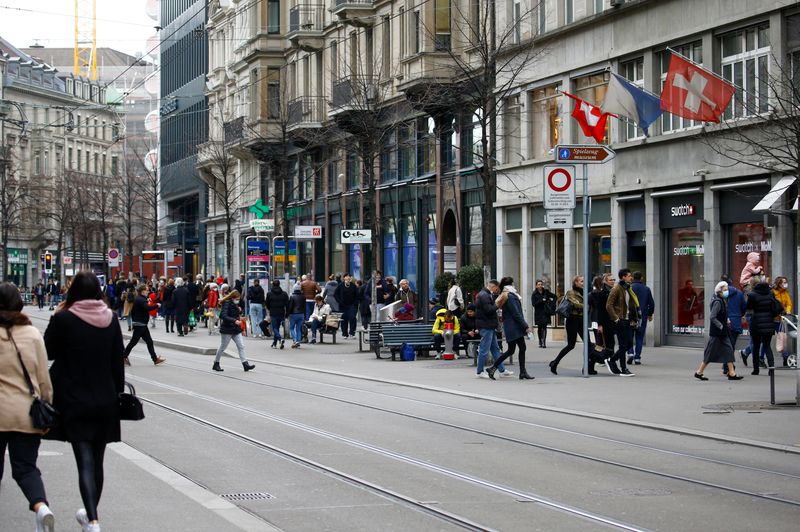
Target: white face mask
x=235 y=301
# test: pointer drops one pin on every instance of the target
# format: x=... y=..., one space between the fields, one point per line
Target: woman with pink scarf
x=84 y=341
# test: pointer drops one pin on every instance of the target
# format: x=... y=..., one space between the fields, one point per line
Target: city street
x=327 y=438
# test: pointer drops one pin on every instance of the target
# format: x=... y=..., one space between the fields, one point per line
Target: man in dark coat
x=544 y=306
x=347 y=296
x=648 y=307
x=182 y=304
x=486 y=321
x=256 y=298
x=765 y=309
x=276 y=302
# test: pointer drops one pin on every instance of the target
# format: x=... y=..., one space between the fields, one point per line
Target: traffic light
x=48 y=262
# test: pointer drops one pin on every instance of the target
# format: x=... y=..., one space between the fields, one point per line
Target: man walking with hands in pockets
x=623 y=310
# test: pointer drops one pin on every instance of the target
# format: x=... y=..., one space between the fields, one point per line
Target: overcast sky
x=121 y=24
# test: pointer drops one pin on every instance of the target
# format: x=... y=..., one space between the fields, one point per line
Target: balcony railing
x=233 y=130
x=308 y=17
x=305 y=110
x=336 y=4
x=354 y=91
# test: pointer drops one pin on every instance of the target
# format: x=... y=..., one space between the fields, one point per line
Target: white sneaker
x=505 y=373
x=82 y=518
x=45 y=520
x=483 y=375
x=92 y=528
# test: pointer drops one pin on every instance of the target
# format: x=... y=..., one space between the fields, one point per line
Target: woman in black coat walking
x=719 y=347
x=181 y=303
x=85 y=344
x=544 y=306
x=765 y=309
x=140 y=315
x=514 y=327
x=230 y=328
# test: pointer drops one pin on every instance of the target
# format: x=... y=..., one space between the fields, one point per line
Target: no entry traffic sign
x=559 y=187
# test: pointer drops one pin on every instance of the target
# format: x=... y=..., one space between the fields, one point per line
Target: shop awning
x=776 y=192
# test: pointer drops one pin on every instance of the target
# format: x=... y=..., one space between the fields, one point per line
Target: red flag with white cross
x=591 y=119
x=693 y=92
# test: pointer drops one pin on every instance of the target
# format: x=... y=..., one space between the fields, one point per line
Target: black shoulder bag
x=130 y=407
x=42 y=413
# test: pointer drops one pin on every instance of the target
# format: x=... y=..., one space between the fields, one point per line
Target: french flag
x=626 y=99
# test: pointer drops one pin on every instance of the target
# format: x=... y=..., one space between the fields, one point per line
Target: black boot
x=523 y=374
x=553 y=365
x=248 y=366
x=216 y=367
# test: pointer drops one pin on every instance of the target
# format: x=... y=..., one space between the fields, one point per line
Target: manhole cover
x=632 y=492
x=254 y=496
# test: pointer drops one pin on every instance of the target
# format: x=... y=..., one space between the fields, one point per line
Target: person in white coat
x=318 y=316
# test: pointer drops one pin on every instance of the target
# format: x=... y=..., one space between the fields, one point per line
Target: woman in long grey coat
x=181 y=304
x=719 y=347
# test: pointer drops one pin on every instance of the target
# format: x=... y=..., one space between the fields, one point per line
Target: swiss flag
x=591 y=119
x=693 y=92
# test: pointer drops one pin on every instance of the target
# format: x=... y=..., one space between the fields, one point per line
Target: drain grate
x=253 y=496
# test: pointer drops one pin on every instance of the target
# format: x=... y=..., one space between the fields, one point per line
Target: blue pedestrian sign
x=563 y=153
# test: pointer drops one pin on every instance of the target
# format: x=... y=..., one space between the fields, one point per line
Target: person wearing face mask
x=230 y=328
x=781 y=291
x=736 y=309
x=718 y=348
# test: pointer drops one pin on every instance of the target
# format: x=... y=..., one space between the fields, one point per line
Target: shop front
x=744 y=231
x=17 y=267
x=685 y=253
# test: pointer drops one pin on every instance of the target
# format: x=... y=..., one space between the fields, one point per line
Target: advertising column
x=685 y=301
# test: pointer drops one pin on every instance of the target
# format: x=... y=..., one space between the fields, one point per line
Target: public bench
x=331 y=327
x=418 y=335
x=373 y=338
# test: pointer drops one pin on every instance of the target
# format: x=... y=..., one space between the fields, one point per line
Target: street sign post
x=559 y=187
x=558 y=219
x=113 y=258
x=585 y=154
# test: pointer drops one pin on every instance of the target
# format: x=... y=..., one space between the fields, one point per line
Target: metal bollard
x=447 y=336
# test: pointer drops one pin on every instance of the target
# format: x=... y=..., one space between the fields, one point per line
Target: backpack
x=564 y=308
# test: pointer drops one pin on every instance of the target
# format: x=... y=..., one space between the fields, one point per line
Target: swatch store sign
x=687 y=209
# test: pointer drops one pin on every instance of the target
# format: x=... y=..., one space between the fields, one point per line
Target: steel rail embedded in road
x=447 y=516
x=574 y=454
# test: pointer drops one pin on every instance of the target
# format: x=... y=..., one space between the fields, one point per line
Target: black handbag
x=130 y=407
x=43 y=415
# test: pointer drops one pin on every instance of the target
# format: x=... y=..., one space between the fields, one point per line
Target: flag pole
x=704 y=69
x=582 y=100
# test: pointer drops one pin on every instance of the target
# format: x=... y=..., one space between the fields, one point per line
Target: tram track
x=531 y=444
x=383 y=491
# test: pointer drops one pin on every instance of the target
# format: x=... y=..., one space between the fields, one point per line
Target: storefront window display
x=746 y=238
x=389 y=250
x=335 y=244
x=410 y=250
x=433 y=254
x=687 y=304
x=474 y=235
x=355 y=260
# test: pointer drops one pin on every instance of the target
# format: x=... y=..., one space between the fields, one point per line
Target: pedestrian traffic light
x=48 y=262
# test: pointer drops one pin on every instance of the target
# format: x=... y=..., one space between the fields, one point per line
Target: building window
x=114 y=166
x=633 y=71
x=517 y=21
x=426 y=146
x=569 y=11
x=386 y=52
x=745 y=63
x=79 y=160
x=511 y=130
x=254 y=82
x=471 y=135
x=69 y=158
x=687 y=307
x=448 y=143
x=474 y=235
x=407 y=151
x=37 y=162
x=475 y=19
x=104 y=167
x=599 y=5
x=441 y=11
x=274 y=92
x=352 y=171
x=693 y=51
x=401 y=17
x=390 y=249
x=592 y=89
x=546 y=130
x=274 y=16
x=542 y=15
x=417 y=44
x=389 y=158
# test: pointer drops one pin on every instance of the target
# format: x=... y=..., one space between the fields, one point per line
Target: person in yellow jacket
x=444 y=316
x=781 y=291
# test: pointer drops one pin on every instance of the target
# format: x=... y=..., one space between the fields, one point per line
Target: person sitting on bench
x=405 y=313
x=443 y=317
x=318 y=316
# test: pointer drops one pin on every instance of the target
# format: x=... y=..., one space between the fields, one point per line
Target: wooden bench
x=329 y=327
x=418 y=335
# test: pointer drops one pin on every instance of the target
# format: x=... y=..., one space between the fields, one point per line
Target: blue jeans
x=349 y=321
x=315 y=325
x=296 y=326
x=309 y=308
x=749 y=349
x=256 y=315
x=636 y=350
x=277 y=322
x=488 y=342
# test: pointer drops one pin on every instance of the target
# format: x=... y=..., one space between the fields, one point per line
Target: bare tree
x=14 y=201
x=488 y=61
x=761 y=128
x=140 y=197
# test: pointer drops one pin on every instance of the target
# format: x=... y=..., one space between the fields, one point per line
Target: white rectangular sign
x=307 y=231
x=559 y=187
x=264 y=224
x=560 y=219
x=356 y=236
